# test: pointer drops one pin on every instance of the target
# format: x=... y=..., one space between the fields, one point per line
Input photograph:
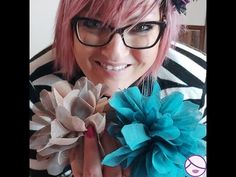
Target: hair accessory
x=180 y=5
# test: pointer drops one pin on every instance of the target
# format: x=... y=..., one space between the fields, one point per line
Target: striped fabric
x=184 y=70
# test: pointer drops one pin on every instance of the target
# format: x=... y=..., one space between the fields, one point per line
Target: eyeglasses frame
x=120 y=31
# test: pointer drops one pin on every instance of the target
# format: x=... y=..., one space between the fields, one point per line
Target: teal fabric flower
x=156 y=135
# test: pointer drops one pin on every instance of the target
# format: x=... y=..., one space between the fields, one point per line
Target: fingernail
x=90 y=132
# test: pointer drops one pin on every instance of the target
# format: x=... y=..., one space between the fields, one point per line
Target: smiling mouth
x=195 y=171
x=112 y=67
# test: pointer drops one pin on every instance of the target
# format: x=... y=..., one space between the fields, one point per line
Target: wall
x=42 y=17
x=196 y=13
x=43 y=12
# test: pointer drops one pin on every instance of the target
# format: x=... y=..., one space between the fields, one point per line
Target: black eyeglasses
x=94 y=33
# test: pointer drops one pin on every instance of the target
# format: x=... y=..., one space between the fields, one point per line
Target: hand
x=85 y=159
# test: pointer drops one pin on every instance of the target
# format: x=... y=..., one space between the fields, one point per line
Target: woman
x=118 y=43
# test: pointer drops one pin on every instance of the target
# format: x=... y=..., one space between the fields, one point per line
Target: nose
x=115 y=50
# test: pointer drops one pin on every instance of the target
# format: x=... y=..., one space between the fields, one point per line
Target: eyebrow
x=133 y=18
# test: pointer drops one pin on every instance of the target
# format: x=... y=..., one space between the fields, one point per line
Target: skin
x=85 y=159
x=115 y=53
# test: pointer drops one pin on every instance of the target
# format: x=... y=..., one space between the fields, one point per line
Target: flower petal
x=126 y=99
x=134 y=98
x=116 y=157
x=161 y=163
x=86 y=85
x=114 y=130
x=47 y=100
x=150 y=118
x=54 y=168
x=134 y=135
x=153 y=101
x=172 y=103
x=62 y=87
x=40 y=138
x=163 y=122
x=35 y=126
x=63 y=157
x=72 y=123
x=57 y=129
x=118 y=100
x=132 y=156
x=197 y=147
x=50 y=149
x=64 y=141
x=151 y=107
x=139 y=167
x=126 y=115
x=89 y=98
x=98 y=120
x=171 y=153
x=168 y=133
x=156 y=90
x=41 y=120
x=151 y=171
x=69 y=99
x=58 y=98
x=39 y=110
x=101 y=104
x=81 y=108
x=188 y=109
x=100 y=89
x=199 y=131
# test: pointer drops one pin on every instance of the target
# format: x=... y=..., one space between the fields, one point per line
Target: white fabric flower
x=64 y=113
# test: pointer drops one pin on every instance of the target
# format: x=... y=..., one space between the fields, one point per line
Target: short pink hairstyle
x=114 y=11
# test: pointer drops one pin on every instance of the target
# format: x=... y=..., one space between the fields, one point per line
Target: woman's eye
x=92 y=24
x=141 y=28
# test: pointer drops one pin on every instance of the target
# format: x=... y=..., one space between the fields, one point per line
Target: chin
x=114 y=87
x=111 y=90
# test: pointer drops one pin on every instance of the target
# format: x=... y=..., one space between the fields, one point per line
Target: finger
x=76 y=160
x=110 y=144
x=126 y=172
x=92 y=159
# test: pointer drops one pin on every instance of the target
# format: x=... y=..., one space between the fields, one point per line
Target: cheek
x=146 y=56
x=78 y=50
x=82 y=54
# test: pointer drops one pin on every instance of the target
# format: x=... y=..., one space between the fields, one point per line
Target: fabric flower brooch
x=156 y=135
x=61 y=119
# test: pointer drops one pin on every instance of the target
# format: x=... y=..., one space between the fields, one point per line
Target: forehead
x=122 y=11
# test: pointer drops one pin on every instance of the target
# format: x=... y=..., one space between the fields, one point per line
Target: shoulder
x=184 y=65
x=184 y=70
x=42 y=68
x=42 y=73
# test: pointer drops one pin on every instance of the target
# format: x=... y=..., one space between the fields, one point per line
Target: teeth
x=113 y=68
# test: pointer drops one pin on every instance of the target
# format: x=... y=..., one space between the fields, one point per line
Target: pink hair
x=171 y=34
x=113 y=12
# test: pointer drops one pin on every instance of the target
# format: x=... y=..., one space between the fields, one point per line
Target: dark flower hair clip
x=180 y=5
